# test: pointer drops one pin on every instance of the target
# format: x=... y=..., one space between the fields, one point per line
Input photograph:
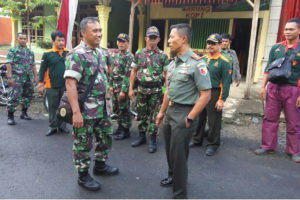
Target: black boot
x=10 y=118
x=117 y=132
x=141 y=140
x=24 y=114
x=152 y=144
x=101 y=168
x=123 y=134
x=87 y=182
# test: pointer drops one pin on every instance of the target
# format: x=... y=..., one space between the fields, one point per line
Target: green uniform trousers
x=214 y=118
x=53 y=96
x=177 y=138
x=122 y=109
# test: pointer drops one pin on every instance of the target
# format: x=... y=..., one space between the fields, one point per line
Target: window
x=38 y=33
x=202 y=28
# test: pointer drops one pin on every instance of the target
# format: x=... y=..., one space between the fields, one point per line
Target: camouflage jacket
x=106 y=58
x=21 y=59
x=150 y=65
x=119 y=78
x=81 y=64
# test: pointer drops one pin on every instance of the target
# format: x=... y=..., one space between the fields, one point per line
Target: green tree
x=18 y=9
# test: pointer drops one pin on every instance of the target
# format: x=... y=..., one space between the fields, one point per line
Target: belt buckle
x=171 y=103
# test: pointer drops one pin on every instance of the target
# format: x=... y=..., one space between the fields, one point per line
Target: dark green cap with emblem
x=123 y=37
x=152 y=31
x=215 y=37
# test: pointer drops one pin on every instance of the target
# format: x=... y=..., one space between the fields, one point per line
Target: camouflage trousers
x=147 y=107
x=101 y=129
x=122 y=109
x=23 y=90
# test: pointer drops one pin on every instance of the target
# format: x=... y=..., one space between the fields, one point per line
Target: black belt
x=172 y=103
x=117 y=79
x=150 y=85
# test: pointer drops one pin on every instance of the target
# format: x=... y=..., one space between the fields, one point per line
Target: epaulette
x=196 y=57
x=224 y=58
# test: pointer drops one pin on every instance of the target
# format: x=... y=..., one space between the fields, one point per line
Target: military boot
x=141 y=140
x=117 y=132
x=152 y=144
x=101 y=168
x=10 y=118
x=87 y=182
x=24 y=114
x=123 y=134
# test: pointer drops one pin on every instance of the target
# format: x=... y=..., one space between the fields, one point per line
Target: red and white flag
x=66 y=19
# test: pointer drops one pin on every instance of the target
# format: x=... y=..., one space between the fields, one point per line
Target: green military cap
x=123 y=37
x=152 y=31
x=215 y=37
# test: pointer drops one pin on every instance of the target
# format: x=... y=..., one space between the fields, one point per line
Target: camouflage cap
x=153 y=30
x=123 y=36
x=215 y=37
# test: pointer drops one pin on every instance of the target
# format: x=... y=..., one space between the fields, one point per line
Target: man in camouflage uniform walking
x=119 y=85
x=150 y=69
x=21 y=74
x=81 y=64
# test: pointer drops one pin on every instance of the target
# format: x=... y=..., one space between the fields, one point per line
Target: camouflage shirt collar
x=19 y=47
x=185 y=56
x=156 y=50
x=86 y=47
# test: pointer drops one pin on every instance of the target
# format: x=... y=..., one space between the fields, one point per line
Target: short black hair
x=184 y=29
x=55 y=34
x=226 y=36
x=21 y=33
x=296 y=20
x=87 y=20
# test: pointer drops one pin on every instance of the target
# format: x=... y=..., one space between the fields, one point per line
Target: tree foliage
x=18 y=9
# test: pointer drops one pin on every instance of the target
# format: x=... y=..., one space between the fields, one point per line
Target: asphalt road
x=35 y=166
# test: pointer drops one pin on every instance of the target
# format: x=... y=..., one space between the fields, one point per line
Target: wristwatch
x=9 y=77
x=189 y=119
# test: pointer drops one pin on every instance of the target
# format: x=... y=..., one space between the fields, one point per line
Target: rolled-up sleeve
x=73 y=66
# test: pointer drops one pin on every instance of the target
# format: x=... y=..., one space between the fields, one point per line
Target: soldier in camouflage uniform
x=150 y=69
x=119 y=85
x=21 y=74
x=106 y=59
x=81 y=63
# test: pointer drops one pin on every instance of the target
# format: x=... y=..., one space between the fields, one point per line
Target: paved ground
x=35 y=166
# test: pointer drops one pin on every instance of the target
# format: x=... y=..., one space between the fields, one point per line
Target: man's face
x=291 y=31
x=225 y=43
x=122 y=45
x=59 y=42
x=93 y=34
x=22 y=40
x=175 y=40
x=213 y=47
x=152 y=41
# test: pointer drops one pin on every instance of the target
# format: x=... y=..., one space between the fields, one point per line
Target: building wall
x=6 y=34
x=157 y=11
x=274 y=20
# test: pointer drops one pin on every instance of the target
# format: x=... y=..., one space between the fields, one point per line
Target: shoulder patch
x=196 y=57
x=203 y=70
x=224 y=58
